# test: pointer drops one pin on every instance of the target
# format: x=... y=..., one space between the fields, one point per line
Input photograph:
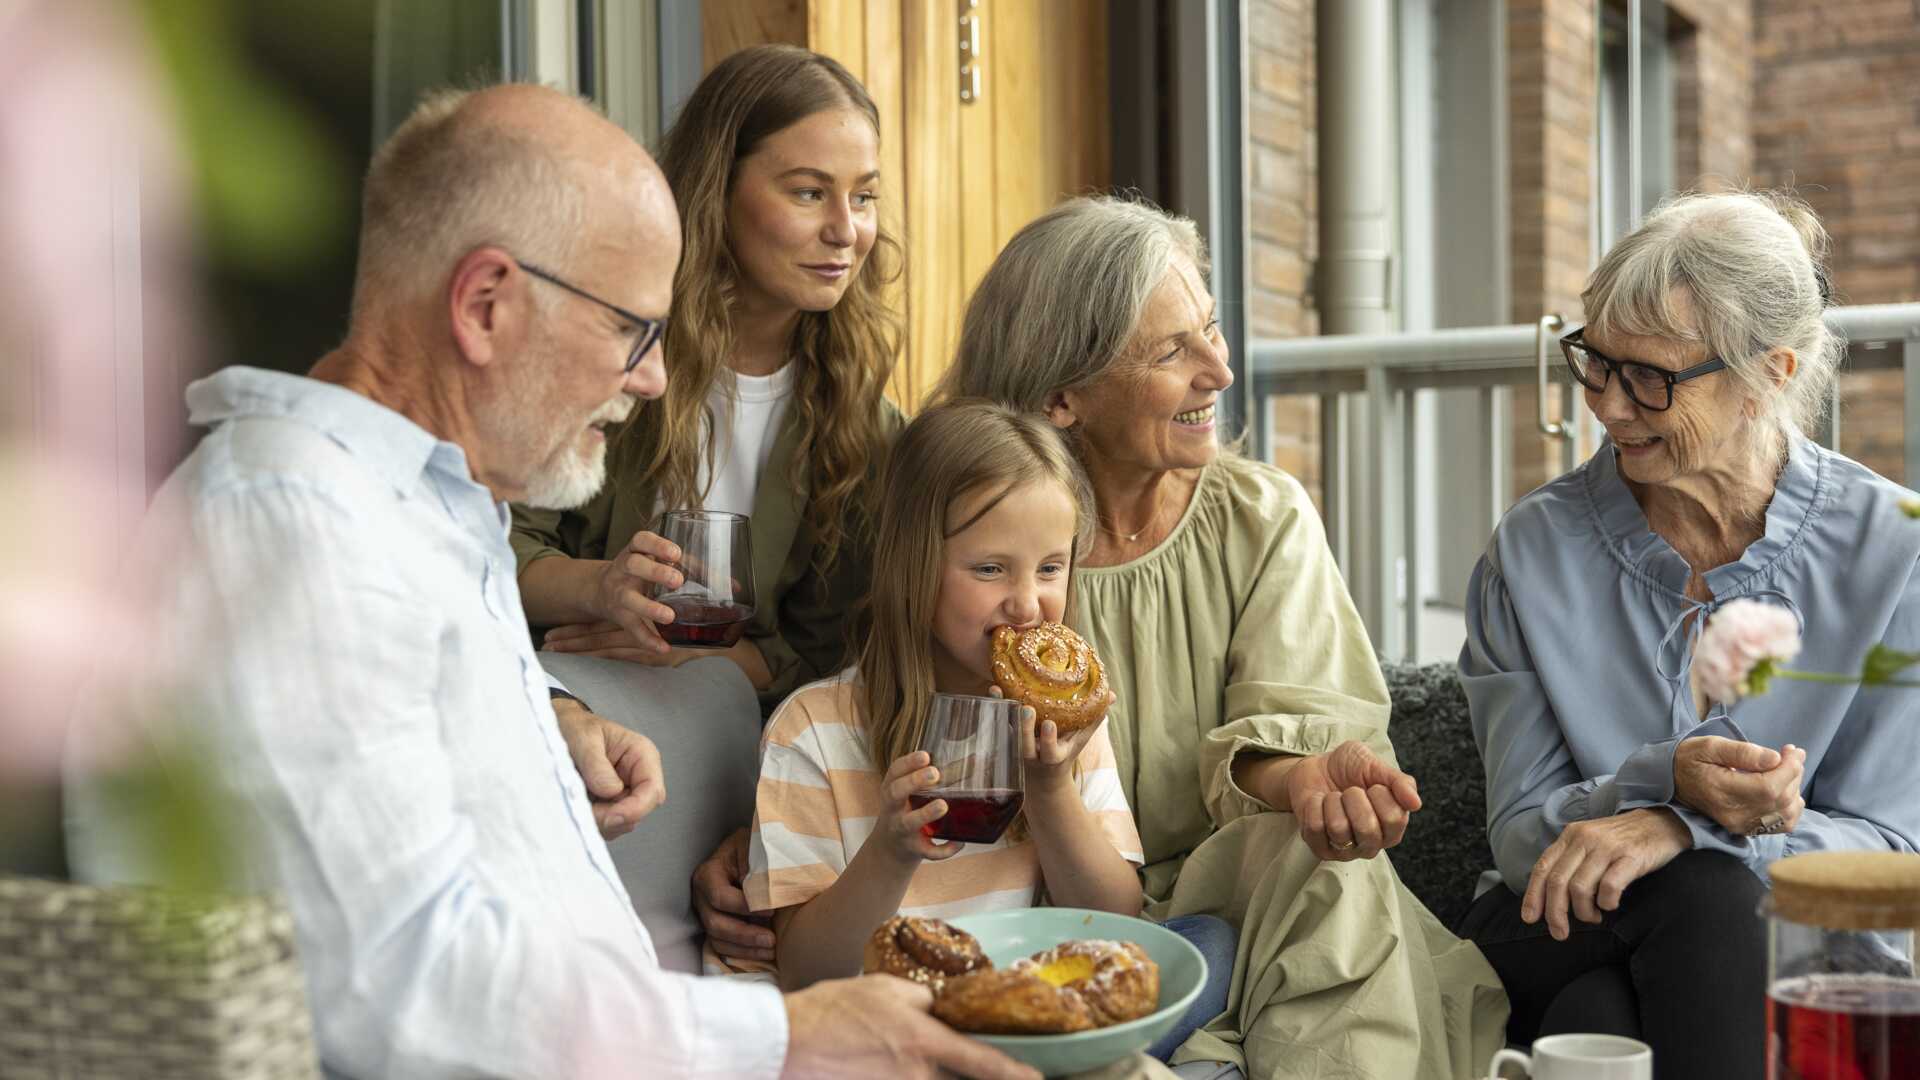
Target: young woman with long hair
x=779 y=346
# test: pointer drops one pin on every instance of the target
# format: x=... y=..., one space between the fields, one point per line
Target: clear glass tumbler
x=975 y=743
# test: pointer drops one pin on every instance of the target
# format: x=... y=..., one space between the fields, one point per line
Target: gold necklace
x=1136 y=534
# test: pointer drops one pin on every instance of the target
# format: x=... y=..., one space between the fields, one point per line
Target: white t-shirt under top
x=747 y=411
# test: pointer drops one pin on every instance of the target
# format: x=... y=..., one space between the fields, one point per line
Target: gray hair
x=442 y=186
x=1753 y=265
x=1061 y=302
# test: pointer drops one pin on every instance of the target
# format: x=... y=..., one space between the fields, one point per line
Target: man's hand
x=1738 y=784
x=1593 y=862
x=1351 y=805
x=722 y=907
x=621 y=768
x=877 y=1026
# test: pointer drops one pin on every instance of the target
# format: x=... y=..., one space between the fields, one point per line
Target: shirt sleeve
x=797 y=851
x=1301 y=674
x=1534 y=787
x=1860 y=790
x=1102 y=795
x=417 y=964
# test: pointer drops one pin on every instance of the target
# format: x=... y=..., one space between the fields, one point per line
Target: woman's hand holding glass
x=1351 y=804
x=629 y=618
x=901 y=829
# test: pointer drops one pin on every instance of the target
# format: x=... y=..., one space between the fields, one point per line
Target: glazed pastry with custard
x=926 y=951
x=1076 y=986
x=1054 y=670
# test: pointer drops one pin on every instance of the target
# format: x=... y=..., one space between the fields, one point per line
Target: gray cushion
x=705 y=719
x=1445 y=849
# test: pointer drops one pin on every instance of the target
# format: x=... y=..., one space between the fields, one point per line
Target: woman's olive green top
x=1235 y=633
x=800 y=618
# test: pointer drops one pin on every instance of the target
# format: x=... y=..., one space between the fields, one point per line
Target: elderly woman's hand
x=1351 y=805
x=1593 y=862
x=1739 y=784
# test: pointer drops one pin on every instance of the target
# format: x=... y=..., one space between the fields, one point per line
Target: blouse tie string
x=1702 y=610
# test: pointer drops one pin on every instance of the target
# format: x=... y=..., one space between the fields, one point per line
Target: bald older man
x=386 y=724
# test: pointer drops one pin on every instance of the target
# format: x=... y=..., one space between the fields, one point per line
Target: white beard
x=568 y=478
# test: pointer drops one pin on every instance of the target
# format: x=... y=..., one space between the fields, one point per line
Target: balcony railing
x=1366 y=381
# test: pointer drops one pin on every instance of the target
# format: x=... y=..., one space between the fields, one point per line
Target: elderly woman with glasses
x=1632 y=817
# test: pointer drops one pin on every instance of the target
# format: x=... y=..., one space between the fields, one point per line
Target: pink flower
x=1742 y=647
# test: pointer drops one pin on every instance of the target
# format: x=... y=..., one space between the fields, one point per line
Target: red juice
x=1843 y=1027
x=975 y=817
x=702 y=624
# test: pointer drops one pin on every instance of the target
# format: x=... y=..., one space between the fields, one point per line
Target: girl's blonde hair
x=844 y=355
x=949 y=453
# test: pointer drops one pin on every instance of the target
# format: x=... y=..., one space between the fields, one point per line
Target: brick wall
x=1550 y=118
x=1769 y=92
x=1282 y=206
x=1712 y=46
x=1837 y=116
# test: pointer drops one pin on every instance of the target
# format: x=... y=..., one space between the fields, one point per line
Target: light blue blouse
x=1576 y=660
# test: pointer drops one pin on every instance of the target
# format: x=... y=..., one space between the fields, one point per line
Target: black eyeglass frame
x=651 y=330
x=1612 y=367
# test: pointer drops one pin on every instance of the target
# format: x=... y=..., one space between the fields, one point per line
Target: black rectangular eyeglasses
x=651 y=330
x=1650 y=387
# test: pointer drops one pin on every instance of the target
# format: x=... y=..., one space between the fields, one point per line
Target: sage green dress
x=1236 y=633
x=801 y=616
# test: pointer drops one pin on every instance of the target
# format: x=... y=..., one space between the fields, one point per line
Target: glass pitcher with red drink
x=1843 y=1002
x=714 y=601
x=975 y=743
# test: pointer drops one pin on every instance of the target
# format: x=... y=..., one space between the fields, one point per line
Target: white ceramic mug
x=1581 y=1057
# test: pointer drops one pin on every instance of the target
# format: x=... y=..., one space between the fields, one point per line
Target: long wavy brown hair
x=948 y=454
x=845 y=355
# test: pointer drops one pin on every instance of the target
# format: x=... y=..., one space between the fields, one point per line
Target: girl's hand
x=1049 y=758
x=901 y=830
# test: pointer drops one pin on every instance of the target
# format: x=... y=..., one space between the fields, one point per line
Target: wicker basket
x=137 y=983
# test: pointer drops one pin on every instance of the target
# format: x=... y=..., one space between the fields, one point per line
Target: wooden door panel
x=958 y=179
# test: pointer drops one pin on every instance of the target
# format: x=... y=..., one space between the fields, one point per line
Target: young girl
x=983 y=510
x=778 y=349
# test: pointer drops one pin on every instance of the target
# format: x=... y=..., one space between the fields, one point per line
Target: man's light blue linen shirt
x=1576 y=660
x=387 y=729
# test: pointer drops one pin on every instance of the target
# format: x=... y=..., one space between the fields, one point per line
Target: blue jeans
x=1217 y=940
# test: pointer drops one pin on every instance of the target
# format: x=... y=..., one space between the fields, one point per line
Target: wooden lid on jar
x=1848 y=890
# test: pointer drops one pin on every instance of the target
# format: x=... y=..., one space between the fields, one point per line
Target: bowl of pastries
x=1061 y=989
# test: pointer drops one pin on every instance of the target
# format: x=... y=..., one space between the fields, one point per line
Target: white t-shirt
x=747 y=411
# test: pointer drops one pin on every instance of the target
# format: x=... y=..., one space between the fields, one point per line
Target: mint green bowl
x=1012 y=935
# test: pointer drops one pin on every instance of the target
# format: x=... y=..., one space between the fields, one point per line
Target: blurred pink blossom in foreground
x=93 y=281
x=1745 y=644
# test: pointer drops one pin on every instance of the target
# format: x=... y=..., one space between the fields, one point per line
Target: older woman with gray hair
x=1250 y=726
x=1632 y=818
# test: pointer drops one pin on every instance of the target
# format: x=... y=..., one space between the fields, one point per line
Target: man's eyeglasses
x=651 y=330
x=1650 y=387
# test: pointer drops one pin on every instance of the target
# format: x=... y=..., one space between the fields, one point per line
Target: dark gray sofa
x=1445 y=849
